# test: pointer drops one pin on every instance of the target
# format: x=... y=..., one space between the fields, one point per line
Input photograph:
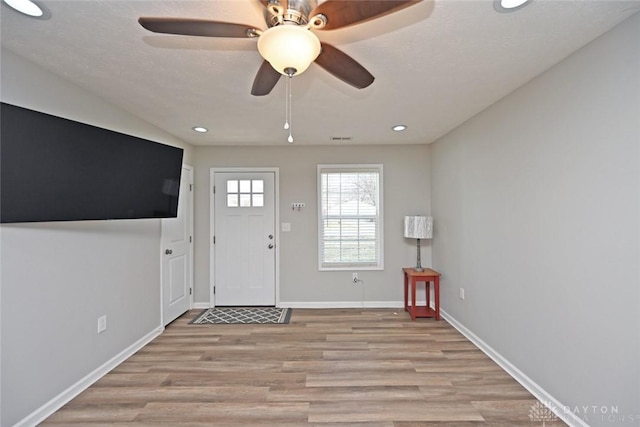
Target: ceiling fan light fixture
x=289 y=47
x=506 y=6
x=27 y=7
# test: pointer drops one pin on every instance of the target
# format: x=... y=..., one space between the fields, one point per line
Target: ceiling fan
x=288 y=46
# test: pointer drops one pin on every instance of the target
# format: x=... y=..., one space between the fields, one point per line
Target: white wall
x=58 y=278
x=537 y=201
x=406 y=191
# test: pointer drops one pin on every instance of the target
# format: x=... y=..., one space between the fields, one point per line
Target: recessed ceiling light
x=399 y=128
x=200 y=129
x=27 y=7
x=505 y=6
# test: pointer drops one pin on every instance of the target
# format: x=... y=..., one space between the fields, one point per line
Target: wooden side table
x=412 y=277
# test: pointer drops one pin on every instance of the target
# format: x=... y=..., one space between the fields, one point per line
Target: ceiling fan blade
x=343 y=13
x=265 y=80
x=344 y=67
x=196 y=27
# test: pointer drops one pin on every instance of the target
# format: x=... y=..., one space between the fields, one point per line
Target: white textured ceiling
x=434 y=67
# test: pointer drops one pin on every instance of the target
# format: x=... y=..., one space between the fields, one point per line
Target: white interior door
x=176 y=253
x=244 y=238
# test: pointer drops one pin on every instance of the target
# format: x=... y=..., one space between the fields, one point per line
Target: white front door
x=244 y=238
x=176 y=253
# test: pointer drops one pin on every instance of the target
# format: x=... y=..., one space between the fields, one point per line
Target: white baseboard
x=535 y=389
x=341 y=304
x=334 y=304
x=201 y=305
x=349 y=304
x=66 y=396
x=330 y=304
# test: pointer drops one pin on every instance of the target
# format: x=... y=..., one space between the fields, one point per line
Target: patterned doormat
x=229 y=315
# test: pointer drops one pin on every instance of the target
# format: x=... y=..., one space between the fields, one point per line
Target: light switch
x=286 y=226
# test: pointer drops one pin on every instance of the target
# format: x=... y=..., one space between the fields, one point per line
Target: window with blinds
x=350 y=217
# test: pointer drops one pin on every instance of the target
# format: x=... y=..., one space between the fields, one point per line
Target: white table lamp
x=418 y=227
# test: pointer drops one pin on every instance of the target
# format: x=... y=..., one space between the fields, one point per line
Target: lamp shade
x=418 y=227
x=289 y=46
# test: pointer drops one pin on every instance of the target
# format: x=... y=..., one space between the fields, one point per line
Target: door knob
x=270 y=236
x=168 y=252
x=270 y=246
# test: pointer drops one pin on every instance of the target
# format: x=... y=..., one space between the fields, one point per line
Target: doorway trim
x=212 y=211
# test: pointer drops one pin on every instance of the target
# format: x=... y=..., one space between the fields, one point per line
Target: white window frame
x=380 y=220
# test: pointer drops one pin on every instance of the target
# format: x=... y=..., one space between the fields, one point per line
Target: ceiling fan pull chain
x=286 y=104
x=288 y=122
x=290 y=119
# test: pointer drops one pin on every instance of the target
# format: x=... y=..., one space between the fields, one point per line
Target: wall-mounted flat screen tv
x=54 y=169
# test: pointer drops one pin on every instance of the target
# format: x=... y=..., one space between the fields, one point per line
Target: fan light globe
x=289 y=46
x=25 y=6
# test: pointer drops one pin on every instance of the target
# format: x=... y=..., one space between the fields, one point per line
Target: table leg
x=413 y=298
x=436 y=285
x=406 y=292
x=427 y=288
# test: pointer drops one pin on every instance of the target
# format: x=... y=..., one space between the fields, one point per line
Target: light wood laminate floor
x=329 y=367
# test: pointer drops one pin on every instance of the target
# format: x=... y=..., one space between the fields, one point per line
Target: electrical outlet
x=102 y=323
x=461 y=296
x=354 y=277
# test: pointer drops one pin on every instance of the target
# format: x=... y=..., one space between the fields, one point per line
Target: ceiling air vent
x=340 y=138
